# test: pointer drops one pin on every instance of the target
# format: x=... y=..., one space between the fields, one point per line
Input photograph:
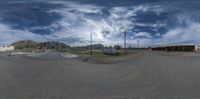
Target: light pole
x=59 y=46
x=91 y=44
x=138 y=44
x=125 y=43
x=46 y=44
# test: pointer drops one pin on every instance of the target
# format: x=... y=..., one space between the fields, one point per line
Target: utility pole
x=125 y=43
x=91 y=44
x=138 y=44
x=46 y=44
x=59 y=46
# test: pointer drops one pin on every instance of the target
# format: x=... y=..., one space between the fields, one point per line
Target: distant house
x=4 y=48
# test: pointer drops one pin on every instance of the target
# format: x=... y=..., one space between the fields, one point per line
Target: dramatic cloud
x=9 y=35
x=143 y=34
x=107 y=25
x=74 y=22
x=189 y=33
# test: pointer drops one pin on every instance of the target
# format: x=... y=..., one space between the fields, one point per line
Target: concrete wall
x=6 y=48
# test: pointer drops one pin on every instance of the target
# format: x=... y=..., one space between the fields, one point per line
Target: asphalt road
x=148 y=76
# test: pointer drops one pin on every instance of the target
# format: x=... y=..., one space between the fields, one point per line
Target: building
x=4 y=48
x=198 y=48
x=110 y=50
x=177 y=48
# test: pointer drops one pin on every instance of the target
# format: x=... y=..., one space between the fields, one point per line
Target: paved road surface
x=51 y=55
x=148 y=76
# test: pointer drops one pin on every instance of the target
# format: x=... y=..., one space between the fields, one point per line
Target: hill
x=55 y=45
x=27 y=44
x=32 y=45
x=94 y=46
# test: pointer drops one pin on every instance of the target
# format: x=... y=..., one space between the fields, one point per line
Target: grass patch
x=101 y=58
x=99 y=53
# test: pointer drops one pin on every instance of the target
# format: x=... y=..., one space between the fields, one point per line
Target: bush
x=118 y=47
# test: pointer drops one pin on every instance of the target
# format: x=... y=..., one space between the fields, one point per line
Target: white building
x=110 y=50
x=197 y=48
x=4 y=48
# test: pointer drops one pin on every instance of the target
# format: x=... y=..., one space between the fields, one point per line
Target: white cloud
x=154 y=25
x=183 y=34
x=158 y=34
x=78 y=7
x=80 y=26
x=9 y=35
x=121 y=19
x=106 y=29
x=143 y=34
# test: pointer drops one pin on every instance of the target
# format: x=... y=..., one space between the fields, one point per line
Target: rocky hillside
x=32 y=45
x=55 y=45
x=28 y=44
x=94 y=46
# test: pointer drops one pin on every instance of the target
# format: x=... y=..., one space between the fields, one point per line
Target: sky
x=152 y=22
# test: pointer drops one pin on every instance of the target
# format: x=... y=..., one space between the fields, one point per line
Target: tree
x=118 y=47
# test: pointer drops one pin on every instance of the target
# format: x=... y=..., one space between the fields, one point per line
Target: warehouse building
x=177 y=48
x=4 y=48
